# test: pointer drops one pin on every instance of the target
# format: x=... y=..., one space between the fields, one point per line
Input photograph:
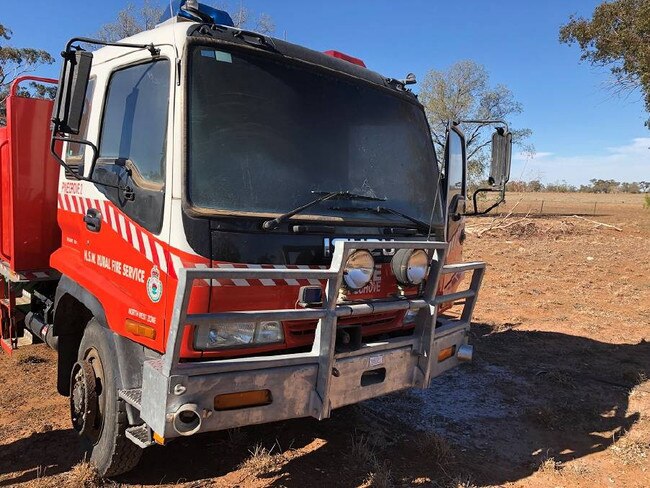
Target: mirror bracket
x=503 y=131
x=61 y=128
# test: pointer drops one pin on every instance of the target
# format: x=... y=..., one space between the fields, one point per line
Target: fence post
x=541 y=210
x=595 y=207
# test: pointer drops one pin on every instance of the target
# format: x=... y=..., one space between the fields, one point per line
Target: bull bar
x=303 y=384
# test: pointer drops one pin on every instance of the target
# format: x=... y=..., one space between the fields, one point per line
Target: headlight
x=237 y=334
x=358 y=269
x=410 y=266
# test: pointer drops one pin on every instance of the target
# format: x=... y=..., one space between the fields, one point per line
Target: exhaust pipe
x=187 y=419
x=35 y=324
x=465 y=353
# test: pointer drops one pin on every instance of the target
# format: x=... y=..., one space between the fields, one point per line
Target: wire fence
x=551 y=205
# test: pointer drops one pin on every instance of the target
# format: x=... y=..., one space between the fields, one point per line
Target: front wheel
x=96 y=410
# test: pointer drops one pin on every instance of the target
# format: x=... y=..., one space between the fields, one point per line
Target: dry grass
x=365 y=449
x=84 y=475
x=435 y=447
x=631 y=453
x=381 y=477
x=549 y=466
x=461 y=482
x=264 y=461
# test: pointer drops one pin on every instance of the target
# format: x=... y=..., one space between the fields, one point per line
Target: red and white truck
x=239 y=230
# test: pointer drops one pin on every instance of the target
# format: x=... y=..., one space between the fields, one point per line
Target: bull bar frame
x=309 y=383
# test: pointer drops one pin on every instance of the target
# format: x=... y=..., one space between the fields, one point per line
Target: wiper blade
x=379 y=209
x=274 y=223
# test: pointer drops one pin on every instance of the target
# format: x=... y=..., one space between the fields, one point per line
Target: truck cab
x=251 y=231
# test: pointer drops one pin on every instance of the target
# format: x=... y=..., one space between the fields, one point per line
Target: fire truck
x=215 y=228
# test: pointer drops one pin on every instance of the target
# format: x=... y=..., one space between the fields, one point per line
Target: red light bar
x=346 y=57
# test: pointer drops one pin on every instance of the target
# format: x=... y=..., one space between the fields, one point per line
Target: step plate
x=133 y=397
x=140 y=435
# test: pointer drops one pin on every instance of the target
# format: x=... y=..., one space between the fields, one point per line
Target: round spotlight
x=358 y=269
x=410 y=266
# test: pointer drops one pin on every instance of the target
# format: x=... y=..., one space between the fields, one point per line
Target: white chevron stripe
x=161 y=257
x=134 y=237
x=147 y=247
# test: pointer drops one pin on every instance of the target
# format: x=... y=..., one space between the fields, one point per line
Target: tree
x=131 y=20
x=244 y=18
x=461 y=93
x=618 y=37
x=15 y=62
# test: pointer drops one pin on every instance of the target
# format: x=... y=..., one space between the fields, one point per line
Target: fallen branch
x=598 y=224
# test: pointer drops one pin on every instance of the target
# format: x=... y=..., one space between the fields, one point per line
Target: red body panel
x=28 y=184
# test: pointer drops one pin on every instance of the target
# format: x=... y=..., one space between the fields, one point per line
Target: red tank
x=28 y=184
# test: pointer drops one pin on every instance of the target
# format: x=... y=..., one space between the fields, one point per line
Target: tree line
x=595 y=185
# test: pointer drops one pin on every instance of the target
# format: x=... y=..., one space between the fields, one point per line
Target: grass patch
x=365 y=449
x=631 y=453
x=264 y=461
x=435 y=447
x=84 y=475
x=549 y=465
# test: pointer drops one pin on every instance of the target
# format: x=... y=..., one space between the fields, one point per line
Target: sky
x=581 y=130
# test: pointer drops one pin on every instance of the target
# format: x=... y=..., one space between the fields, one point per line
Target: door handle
x=93 y=220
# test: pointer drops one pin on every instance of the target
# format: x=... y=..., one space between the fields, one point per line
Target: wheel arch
x=74 y=308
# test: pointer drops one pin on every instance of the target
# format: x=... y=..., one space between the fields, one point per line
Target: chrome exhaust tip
x=187 y=419
x=465 y=353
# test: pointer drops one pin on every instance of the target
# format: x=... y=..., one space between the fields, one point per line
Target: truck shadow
x=528 y=397
x=40 y=455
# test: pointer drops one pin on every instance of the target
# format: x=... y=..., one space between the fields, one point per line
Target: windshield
x=263 y=135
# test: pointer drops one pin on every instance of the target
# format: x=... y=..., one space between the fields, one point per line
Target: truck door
x=455 y=198
x=119 y=226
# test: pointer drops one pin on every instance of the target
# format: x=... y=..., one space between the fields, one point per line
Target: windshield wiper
x=274 y=223
x=419 y=223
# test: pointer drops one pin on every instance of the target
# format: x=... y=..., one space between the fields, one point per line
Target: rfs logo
x=154 y=285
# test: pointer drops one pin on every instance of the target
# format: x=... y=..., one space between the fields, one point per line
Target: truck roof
x=179 y=32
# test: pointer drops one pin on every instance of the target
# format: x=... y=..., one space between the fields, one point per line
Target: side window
x=134 y=127
x=455 y=167
x=133 y=142
x=75 y=154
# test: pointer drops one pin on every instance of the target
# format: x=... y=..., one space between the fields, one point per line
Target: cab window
x=134 y=129
x=133 y=141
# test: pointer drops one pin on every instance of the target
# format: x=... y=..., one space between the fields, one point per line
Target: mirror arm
x=98 y=42
x=501 y=199
x=92 y=165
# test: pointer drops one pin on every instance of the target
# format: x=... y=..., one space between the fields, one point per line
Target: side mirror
x=71 y=93
x=501 y=158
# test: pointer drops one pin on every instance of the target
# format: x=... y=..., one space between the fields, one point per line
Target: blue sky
x=580 y=130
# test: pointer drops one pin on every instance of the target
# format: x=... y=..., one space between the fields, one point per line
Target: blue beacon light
x=219 y=17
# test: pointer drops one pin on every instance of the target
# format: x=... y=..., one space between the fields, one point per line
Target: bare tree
x=245 y=18
x=131 y=20
x=461 y=93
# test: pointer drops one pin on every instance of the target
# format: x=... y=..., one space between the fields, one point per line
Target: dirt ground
x=558 y=395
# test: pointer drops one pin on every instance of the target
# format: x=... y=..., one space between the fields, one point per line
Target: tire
x=106 y=446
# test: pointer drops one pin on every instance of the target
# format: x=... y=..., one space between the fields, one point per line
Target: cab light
x=140 y=330
x=358 y=269
x=242 y=399
x=446 y=353
x=410 y=266
x=346 y=57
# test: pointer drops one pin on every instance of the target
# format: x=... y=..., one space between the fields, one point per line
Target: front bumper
x=308 y=383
